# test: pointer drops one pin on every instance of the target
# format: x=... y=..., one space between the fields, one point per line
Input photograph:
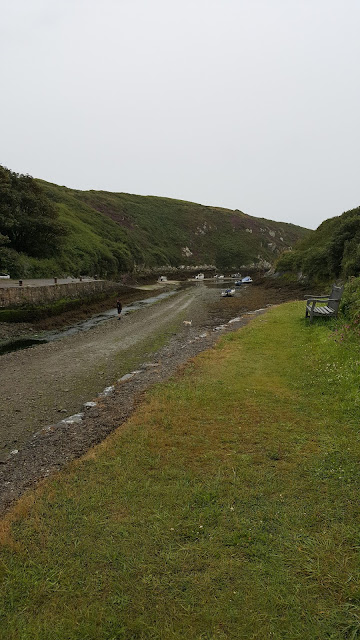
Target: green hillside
x=332 y=251
x=112 y=233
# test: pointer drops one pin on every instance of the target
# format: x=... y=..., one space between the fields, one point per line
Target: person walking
x=119 y=308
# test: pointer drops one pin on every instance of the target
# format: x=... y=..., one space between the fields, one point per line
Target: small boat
x=200 y=276
x=245 y=280
x=227 y=293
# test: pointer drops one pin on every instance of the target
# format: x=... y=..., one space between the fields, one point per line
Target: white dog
x=188 y=322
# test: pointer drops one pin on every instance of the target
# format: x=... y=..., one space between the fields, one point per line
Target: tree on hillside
x=3 y=240
x=28 y=219
x=332 y=251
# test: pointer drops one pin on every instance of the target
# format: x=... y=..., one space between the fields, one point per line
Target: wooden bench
x=329 y=304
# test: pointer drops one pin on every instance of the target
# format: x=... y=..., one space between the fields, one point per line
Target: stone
x=76 y=418
x=127 y=376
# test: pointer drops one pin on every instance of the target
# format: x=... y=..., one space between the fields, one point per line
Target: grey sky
x=247 y=104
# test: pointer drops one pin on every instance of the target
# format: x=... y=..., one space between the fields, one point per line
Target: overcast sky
x=246 y=104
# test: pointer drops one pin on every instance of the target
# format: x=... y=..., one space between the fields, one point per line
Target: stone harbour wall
x=13 y=297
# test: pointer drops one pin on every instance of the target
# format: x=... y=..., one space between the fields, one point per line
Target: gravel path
x=44 y=385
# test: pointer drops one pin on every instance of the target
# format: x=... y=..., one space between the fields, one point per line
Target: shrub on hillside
x=28 y=219
x=350 y=302
x=332 y=251
x=289 y=261
x=10 y=262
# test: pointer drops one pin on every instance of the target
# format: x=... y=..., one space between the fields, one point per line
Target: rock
x=127 y=376
x=107 y=391
x=75 y=419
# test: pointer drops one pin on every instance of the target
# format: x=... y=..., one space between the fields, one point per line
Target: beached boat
x=227 y=293
x=245 y=280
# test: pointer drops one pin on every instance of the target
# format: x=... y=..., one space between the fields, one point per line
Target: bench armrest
x=316 y=297
x=313 y=300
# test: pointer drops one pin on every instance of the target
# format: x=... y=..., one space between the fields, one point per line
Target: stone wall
x=13 y=297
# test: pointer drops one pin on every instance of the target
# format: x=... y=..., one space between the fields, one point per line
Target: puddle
x=20 y=343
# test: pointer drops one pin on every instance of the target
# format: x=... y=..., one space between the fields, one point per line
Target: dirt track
x=43 y=385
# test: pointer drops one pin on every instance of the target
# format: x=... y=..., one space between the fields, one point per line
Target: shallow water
x=20 y=343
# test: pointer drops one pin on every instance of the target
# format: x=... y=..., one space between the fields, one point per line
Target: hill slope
x=113 y=233
x=332 y=251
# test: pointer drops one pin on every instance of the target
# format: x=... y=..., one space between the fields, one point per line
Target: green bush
x=10 y=262
x=28 y=219
x=350 y=302
x=289 y=261
x=332 y=251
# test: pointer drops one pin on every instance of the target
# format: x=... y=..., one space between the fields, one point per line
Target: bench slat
x=324 y=311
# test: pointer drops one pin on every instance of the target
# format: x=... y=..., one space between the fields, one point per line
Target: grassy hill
x=332 y=251
x=113 y=233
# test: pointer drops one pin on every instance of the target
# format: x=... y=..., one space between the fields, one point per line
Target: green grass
x=227 y=507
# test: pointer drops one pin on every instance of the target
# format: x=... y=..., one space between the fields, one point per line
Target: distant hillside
x=332 y=251
x=112 y=233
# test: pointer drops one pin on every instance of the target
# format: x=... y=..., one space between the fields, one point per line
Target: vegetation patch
x=226 y=508
x=332 y=251
x=33 y=313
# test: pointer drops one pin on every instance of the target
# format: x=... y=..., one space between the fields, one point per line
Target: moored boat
x=245 y=280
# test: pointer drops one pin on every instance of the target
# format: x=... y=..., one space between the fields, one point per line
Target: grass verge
x=226 y=508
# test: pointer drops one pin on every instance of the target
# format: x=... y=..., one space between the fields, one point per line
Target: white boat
x=245 y=280
x=227 y=293
x=200 y=276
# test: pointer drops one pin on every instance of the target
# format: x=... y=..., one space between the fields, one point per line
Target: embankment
x=13 y=297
